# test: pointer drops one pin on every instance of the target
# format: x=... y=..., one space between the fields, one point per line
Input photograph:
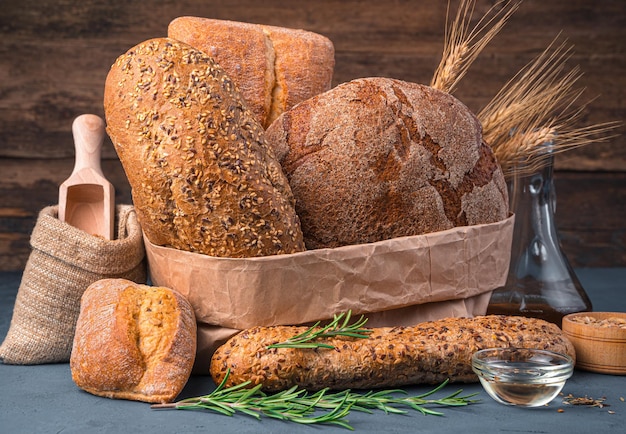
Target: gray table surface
x=44 y=399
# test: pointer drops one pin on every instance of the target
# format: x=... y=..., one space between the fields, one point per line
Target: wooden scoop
x=86 y=198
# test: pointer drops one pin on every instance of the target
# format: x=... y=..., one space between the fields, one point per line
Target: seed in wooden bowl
x=601 y=322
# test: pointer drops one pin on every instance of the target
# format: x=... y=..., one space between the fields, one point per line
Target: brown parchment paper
x=401 y=281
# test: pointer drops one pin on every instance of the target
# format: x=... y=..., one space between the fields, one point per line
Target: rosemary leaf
x=339 y=326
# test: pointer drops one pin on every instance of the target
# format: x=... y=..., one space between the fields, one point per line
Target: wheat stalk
x=525 y=153
x=531 y=94
x=538 y=106
x=463 y=44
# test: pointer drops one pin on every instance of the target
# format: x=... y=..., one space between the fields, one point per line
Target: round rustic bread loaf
x=274 y=67
x=203 y=179
x=379 y=158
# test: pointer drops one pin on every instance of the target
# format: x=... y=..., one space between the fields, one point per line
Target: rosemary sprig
x=339 y=326
x=322 y=407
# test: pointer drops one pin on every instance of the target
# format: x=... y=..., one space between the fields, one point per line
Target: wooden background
x=54 y=57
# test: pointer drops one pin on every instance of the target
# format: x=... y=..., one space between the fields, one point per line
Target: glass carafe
x=541 y=282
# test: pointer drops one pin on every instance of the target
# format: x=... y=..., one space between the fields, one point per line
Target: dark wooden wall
x=54 y=57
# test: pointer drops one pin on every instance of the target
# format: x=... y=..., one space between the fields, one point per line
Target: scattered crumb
x=585 y=401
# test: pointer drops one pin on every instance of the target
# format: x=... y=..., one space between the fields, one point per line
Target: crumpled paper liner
x=396 y=282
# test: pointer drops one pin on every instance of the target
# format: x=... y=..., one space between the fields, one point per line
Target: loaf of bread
x=202 y=177
x=427 y=353
x=274 y=67
x=133 y=342
x=379 y=158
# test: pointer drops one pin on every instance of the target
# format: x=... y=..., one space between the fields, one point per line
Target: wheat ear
x=463 y=44
x=539 y=106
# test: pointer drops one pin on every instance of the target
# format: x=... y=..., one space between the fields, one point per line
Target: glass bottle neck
x=537 y=250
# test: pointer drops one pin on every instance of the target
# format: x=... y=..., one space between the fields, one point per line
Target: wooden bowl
x=600 y=343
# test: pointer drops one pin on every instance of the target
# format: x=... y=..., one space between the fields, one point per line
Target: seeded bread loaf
x=274 y=67
x=379 y=158
x=202 y=177
x=133 y=342
x=427 y=353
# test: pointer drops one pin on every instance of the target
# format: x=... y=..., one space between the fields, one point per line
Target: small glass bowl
x=521 y=376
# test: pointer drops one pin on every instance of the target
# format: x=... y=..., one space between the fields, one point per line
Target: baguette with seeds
x=427 y=353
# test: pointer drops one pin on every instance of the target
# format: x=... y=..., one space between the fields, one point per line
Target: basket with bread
x=270 y=201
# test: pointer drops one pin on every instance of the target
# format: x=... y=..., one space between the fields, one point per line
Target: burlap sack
x=63 y=262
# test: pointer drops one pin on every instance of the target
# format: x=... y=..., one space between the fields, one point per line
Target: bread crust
x=274 y=67
x=202 y=177
x=427 y=353
x=378 y=158
x=133 y=342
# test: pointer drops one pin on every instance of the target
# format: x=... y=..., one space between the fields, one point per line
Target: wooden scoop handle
x=89 y=132
x=86 y=198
